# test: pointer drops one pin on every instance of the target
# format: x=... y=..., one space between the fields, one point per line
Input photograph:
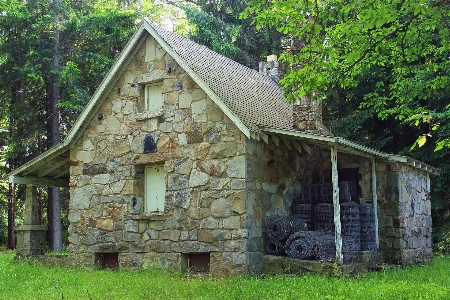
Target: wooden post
x=337 y=209
x=375 y=201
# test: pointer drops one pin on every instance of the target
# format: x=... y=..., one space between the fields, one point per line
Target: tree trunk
x=11 y=194
x=40 y=205
x=11 y=218
x=53 y=136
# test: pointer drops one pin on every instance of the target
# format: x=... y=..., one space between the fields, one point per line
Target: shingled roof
x=257 y=99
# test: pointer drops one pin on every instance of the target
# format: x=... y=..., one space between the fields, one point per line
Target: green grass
x=25 y=280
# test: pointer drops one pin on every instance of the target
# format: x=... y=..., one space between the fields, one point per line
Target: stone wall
x=269 y=190
x=202 y=152
x=406 y=227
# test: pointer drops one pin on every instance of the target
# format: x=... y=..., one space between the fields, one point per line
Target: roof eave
x=414 y=163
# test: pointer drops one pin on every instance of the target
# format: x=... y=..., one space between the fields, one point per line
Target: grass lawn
x=25 y=280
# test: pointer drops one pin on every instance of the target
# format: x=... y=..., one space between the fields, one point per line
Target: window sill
x=152 y=216
x=148 y=114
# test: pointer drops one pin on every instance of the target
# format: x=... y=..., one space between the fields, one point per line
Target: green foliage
x=443 y=246
x=343 y=40
x=25 y=280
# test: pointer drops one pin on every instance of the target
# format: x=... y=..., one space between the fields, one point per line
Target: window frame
x=154 y=202
x=159 y=103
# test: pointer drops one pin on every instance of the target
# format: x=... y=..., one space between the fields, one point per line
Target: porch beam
x=62 y=173
x=375 y=201
x=275 y=139
x=306 y=147
x=337 y=209
x=297 y=146
x=264 y=137
x=286 y=142
x=36 y=181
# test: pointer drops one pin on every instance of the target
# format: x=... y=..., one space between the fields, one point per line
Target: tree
x=39 y=64
x=344 y=39
x=53 y=131
x=17 y=74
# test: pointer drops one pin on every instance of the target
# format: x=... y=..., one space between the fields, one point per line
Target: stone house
x=182 y=154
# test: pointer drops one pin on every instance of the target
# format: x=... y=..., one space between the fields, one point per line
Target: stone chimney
x=272 y=68
x=307 y=112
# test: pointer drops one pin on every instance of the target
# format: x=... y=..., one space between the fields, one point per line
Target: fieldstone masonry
x=31 y=235
x=406 y=225
x=203 y=156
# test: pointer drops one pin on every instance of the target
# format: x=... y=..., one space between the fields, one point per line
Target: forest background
x=382 y=71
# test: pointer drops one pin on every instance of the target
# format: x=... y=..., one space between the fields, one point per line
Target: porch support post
x=31 y=235
x=375 y=201
x=337 y=209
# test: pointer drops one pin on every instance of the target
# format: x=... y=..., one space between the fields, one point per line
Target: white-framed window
x=155 y=188
x=153 y=96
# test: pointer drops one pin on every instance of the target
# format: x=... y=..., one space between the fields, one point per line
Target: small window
x=199 y=262
x=155 y=188
x=108 y=260
x=153 y=96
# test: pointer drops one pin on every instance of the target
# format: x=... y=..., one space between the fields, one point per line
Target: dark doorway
x=350 y=176
x=199 y=262
x=109 y=260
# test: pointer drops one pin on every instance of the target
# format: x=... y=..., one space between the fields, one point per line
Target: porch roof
x=347 y=146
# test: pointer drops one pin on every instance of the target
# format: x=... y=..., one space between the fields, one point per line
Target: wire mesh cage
x=307 y=195
x=366 y=213
x=348 y=191
x=323 y=217
x=281 y=227
x=275 y=247
x=300 y=249
x=325 y=247
x=350 y=212
x=350 y=221
x=368 y=234
x=300 y=245
x=326 y=192
x=368 y=239
x=350 y=248
x=304 y=212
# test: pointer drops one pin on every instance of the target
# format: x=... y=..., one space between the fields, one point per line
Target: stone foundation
x=281 y=264
x=30 y=240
